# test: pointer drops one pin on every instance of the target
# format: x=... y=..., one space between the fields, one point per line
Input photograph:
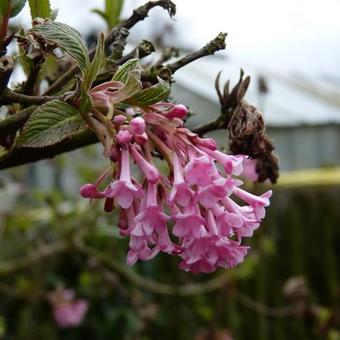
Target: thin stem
x=213 y=46
x=11 y=97
x=13 y=122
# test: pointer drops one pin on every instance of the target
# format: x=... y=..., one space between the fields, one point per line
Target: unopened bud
x=137 y=126
x=178 y=111
x=123 y=137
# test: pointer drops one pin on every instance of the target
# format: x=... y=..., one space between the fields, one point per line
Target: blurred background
x=288 y=286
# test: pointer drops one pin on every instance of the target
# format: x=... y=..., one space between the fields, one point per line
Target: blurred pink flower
x=67 y=311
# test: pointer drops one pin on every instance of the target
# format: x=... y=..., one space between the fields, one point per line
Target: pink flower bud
x=90 y=191
x=178 y=111
x=137 y=126
x=119 y=119
x=123 y=137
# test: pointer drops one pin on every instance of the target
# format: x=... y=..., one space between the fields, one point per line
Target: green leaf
x=132 y=87
x=85 y=103
x=97 y=63
x=153 y=94
x=4 y=4
x=113 y=9
x=26 y=62
x=17 y=6
x=111 y=14
x=49 y=124
x=67 y=38
x=123 y=73
x=40 y=8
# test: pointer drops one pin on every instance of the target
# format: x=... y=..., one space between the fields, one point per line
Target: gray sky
x=284 y=36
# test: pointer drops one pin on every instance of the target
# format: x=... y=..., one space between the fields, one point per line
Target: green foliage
x=112 y=12
x=119 y=309
x=67 y=38
x=153 y=94
x=95 y=66
x=40 y=8
x=49 y=124
x=123 y=72
x=131 y=87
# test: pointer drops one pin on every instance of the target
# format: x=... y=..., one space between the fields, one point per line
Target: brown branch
x=150 y=285
x=219 y=123
x=20 y=156
x=31 y=259
x=166 y=72
x=138 y=15
x=144 y=49
x=13 y=122
x=6 y=68
x=213 y=46
x=11 y=97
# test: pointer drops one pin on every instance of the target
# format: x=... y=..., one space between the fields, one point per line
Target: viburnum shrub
x=175 y=191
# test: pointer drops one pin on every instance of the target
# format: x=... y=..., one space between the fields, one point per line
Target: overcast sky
x=284 y=36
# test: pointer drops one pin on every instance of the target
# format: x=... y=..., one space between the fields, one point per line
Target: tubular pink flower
x=209 y=195
x=208 y=143
x=199 y=170
x=226 y=221
x=232 y=164
x=152 y=218
x=180 y=194
x=188 y=223
x=150 y=172
x=249 y=220
x=210 y=252
x=249 y=170
x=208 y=224
x=123 y=190
x=257 y=202
x=153 y=221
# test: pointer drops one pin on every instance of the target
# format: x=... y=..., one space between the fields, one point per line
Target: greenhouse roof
x=291 y=100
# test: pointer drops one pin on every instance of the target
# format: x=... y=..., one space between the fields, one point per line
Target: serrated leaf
x=17 y=6
x=67 y=38
x=123 y=72
x=49 y=124
x=97 y=63
x=153 y=94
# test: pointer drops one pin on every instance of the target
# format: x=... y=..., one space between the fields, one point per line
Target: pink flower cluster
x=189 y=212
x=67 y=311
